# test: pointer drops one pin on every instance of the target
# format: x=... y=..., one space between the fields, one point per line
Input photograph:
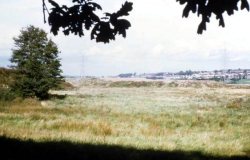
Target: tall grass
x=213 y=120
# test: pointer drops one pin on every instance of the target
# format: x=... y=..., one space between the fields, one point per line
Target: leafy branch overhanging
x=81 y=16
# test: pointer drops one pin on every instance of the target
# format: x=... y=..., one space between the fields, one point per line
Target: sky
x=159 y=40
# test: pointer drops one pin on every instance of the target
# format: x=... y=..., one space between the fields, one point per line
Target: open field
x=244 y=81
x=210 y=118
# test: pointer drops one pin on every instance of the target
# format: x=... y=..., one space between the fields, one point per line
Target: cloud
x=157 y=50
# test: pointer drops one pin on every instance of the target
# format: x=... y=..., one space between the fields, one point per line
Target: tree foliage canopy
x=35 y=58
x=206 y=8
x=82 y=16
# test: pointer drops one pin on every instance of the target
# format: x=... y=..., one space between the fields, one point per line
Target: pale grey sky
x=159 y=40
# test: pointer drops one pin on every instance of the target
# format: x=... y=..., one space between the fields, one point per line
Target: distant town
x=225 y=75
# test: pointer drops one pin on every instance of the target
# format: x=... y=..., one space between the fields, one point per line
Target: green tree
x=35 y=58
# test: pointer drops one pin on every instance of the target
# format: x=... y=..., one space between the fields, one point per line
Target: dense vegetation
x=35 y=59
x=7 y=79
x=200 y=117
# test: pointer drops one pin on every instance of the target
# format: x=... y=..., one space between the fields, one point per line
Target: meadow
x=190 y=116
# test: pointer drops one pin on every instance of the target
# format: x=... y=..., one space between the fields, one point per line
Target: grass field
x=210 y=118
x=243 y=81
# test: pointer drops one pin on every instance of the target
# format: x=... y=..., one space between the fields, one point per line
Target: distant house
x=220 y=75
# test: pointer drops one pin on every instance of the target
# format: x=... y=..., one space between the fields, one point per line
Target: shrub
x=7 y=95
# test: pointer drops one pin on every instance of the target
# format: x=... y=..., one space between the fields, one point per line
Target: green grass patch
x=243 y=81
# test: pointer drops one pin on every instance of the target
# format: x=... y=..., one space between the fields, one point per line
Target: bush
x=6 y=95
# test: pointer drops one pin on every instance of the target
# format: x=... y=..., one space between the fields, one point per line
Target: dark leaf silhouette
x=206 y=8
x=95 y=5
x=80 y=16
x=126 y=8
x=73 y=20
x=53 y=3
x=102 y=32
x=120 y=26
x=189 y=7
x=244 y=5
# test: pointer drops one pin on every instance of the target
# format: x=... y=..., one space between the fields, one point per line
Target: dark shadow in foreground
x=14 y=149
